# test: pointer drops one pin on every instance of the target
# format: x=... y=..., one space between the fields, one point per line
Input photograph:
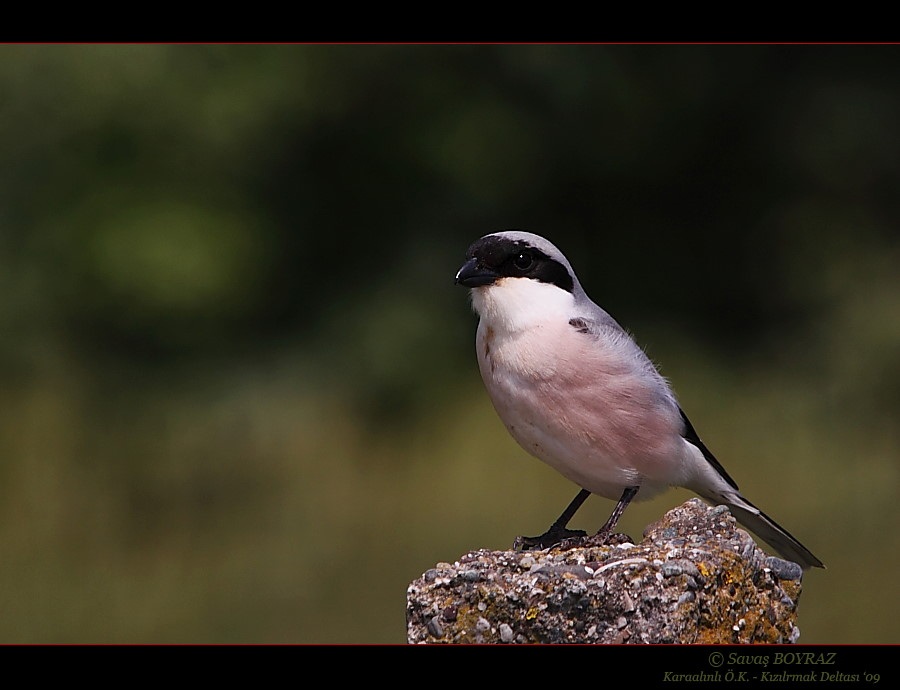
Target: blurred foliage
x=239 y=394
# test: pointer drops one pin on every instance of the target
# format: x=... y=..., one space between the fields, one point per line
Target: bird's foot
x=562 y=536
x=602 y=538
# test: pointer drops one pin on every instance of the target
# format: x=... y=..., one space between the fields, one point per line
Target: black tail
x=766 y=529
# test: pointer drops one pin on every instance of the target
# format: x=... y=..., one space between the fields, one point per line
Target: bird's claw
x=567 y=538
x=602 y=538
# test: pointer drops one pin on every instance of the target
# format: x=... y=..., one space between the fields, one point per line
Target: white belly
x=591 y=413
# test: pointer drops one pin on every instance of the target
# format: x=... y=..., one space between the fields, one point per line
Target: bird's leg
x=558 y=530
x=604 y=532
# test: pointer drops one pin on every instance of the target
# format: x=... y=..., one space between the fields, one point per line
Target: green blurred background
x=238 y=392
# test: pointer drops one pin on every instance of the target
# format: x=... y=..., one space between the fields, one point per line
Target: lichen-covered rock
x=695 y=578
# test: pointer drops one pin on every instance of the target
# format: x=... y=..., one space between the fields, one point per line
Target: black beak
x=472 y=274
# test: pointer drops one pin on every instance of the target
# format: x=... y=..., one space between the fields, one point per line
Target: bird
x=576 y=391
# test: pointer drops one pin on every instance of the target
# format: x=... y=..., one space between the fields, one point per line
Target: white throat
x=515 y=304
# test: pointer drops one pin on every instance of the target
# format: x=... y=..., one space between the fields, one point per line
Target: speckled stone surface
x=695 y=578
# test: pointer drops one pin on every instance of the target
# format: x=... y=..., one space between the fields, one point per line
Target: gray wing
x=603 y=322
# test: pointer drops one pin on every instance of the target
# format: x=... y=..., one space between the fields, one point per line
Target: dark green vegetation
x=238 y=393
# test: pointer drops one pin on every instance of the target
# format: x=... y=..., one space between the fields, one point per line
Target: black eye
x=523 y=261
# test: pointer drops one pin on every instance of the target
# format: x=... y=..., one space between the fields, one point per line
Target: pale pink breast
x=591 y=412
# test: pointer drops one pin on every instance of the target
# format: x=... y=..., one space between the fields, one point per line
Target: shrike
x=577 y=392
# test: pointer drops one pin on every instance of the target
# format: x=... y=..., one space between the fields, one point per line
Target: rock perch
x=695 y=578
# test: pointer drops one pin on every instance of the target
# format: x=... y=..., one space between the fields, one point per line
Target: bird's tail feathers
x=764 y=527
